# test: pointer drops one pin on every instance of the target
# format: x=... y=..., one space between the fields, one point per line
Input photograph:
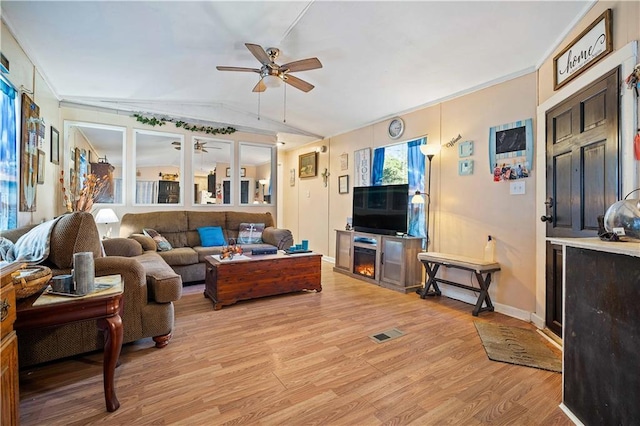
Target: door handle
x=546 y=218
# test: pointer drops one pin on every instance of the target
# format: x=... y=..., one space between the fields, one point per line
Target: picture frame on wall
x=55 y=146
x=344 y=161
x=292 y=177
x=41 y=161
x=308 y=165
x=243 y=172
x=511 y=150
x=228 y=173
x=343 y=184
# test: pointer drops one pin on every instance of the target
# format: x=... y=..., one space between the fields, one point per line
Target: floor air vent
x=385 y=336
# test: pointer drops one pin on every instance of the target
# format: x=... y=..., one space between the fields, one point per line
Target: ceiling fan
x=270 y=68
x=197 y=147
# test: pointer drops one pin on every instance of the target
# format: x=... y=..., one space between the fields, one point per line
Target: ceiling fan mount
x=269 y=68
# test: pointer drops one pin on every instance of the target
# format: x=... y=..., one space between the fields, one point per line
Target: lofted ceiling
x=380 y=59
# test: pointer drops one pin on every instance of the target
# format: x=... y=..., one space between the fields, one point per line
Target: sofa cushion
x=126 y=247
x=211 y=236
x=179 y=256
x=207 y=251
x=145 y=241
x=250 y=233
x=162 y=243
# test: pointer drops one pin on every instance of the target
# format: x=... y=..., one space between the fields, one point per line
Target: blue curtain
x=8 y=158
x=415 y=165
x=378 y=167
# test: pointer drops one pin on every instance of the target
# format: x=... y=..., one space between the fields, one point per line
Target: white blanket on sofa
x=32 y=247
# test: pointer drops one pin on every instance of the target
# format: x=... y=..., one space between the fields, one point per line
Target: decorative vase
x=84 y=272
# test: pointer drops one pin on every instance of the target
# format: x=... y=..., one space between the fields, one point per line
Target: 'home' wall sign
x=593 y=44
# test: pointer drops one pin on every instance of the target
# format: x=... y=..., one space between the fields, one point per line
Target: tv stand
x=385 y=260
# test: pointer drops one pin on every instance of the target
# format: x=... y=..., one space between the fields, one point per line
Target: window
x=403 y=163
x=8 y=158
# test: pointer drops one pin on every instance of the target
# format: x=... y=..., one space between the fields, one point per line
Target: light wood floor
x=304 y=358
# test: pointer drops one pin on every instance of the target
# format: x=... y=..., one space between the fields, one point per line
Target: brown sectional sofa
x=150 y=288
x=180 y=228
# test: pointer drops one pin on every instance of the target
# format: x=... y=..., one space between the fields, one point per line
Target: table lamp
x=107 y=216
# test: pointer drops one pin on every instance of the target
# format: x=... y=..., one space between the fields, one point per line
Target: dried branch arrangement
x=82 y=200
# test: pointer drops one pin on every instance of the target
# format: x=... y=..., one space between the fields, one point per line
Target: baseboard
x=537 y=321
x=329 y=259
x=571 y=416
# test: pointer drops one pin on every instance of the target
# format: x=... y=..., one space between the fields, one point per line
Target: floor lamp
x=429 y=151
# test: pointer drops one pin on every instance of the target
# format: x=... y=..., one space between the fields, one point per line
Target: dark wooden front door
x=582 y=175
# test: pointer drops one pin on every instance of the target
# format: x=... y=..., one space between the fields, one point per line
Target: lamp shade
x=106 y=216
x=417 y=198
x=263 y=181
x=430 y=149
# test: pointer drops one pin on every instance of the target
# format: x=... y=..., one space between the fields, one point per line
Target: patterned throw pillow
x=250 y=233
x=163 y=244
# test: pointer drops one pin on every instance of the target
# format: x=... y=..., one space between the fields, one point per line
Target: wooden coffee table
x=249 y=277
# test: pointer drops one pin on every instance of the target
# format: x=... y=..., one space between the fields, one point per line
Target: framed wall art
x=55 y=146
x=343 y=184
x=592 y=45
x=308 y=165
x=41 y=162
x=292 y=177
x=511 y=150
x=344 y=161
x=28 y=155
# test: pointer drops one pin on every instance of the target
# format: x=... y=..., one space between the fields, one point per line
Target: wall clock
x=396 y=128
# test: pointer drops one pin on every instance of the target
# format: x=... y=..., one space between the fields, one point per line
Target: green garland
x=153 y=121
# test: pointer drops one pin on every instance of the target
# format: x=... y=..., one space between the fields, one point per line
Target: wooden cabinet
x=384 y=260
x=168 y=192
x=343 y=250
x=104 y=171
x=399 y=262
x=8 y=349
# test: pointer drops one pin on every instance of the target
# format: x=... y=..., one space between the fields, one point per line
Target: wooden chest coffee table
x=250 y=277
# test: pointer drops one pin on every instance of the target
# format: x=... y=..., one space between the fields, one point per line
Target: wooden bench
x=482 y=269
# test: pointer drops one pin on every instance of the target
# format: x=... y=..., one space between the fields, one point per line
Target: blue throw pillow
x=211 y=236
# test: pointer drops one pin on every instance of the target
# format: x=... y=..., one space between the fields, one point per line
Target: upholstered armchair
x=147 y=313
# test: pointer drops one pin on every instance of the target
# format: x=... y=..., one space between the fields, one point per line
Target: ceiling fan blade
x=203 y=150
x=302 y=65
x=176 y=143
x=298 y=83
x=220 y=68
x=177 y=147
x=260 y=87
x=259 y=53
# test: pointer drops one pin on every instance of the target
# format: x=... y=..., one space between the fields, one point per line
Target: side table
x=47 y=310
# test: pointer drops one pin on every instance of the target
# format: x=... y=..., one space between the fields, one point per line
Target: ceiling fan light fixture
x=272 y=81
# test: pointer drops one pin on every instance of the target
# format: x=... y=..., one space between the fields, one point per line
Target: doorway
x=582 y=175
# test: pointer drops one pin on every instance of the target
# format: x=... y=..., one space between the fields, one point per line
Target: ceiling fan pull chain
x=258 y=106
x=284 y=114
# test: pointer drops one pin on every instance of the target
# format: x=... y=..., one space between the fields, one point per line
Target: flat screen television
x=381 y=209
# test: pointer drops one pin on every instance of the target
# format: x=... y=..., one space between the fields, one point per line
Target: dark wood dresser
x=9 y=348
